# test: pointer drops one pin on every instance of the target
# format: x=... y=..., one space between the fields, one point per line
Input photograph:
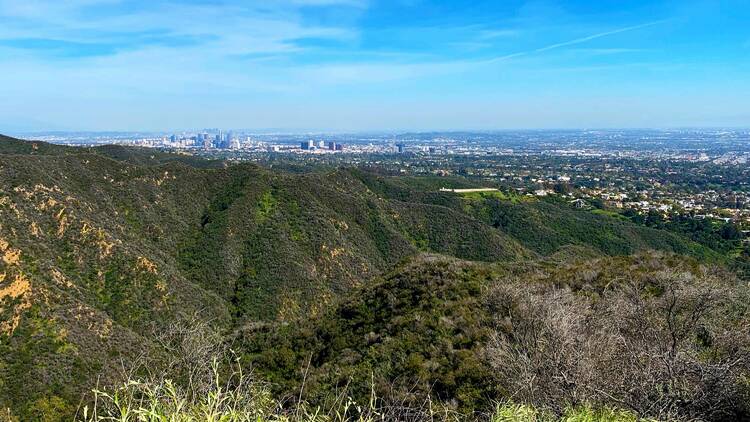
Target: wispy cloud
x=105 y=46
x=608 y=51
x=158 y=48
x=106 y=26
x=375 y=73
x=351 y=3
x=577 y=41
x=597 y=36
x=489 y=34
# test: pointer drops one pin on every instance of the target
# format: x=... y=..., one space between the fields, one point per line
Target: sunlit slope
x=543 y=226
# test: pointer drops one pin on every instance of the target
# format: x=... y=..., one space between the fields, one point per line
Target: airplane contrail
x=576 y=41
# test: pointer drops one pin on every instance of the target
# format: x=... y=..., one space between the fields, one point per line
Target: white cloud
x=153 y=68
x=238 y=27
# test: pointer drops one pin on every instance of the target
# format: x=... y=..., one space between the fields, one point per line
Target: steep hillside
x=542 y=226
x=89 y=268
x=279 y=242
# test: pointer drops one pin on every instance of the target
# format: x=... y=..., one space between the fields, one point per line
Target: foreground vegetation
x=658 y=335
x=138 y=401
x=204 y=382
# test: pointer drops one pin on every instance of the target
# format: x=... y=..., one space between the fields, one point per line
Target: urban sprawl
x=647 y=174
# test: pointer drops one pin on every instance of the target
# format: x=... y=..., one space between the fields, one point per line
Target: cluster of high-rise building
x=213 y=139
x=311 y=145
x=209 y=139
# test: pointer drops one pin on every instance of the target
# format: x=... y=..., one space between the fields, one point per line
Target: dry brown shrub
x=668 y=344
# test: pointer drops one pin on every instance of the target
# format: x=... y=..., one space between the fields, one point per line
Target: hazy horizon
x=268 y=131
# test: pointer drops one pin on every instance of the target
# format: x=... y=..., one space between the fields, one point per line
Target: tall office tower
x=332 y=146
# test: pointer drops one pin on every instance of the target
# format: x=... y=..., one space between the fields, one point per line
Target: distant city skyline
x=366 y=65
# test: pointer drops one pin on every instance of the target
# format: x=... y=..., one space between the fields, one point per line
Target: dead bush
x=665 y=345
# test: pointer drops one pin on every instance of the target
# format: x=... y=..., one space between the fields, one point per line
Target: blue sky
x=350 y=65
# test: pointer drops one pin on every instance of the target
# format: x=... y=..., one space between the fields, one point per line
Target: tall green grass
x=233 y=398
x=241 y=399
x=513 y=412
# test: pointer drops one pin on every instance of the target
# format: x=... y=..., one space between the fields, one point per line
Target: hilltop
x=129 y=154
